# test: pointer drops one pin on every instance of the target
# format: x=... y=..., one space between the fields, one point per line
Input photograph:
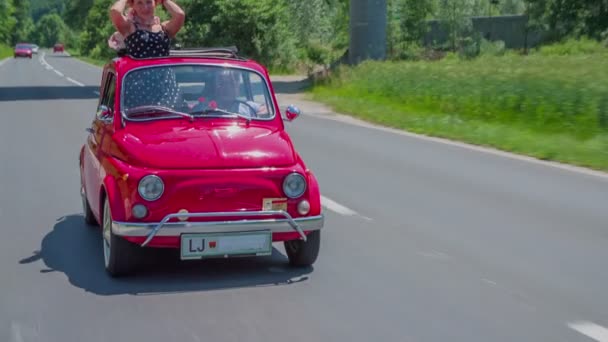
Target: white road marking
x=75 y=82
x=49 y=67
x=434 y=255
x=16 y=335
x=337 y=207
x=490 y=282
x=591 y=330
x=43 y=61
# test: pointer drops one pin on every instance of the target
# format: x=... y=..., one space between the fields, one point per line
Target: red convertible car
x=190 y=152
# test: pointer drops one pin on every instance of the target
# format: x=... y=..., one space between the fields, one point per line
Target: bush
x=411 y=52
x=489 y=48
x=583 y=46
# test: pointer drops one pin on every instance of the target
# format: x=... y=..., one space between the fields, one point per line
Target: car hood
x=197 y=147
x=23 y=50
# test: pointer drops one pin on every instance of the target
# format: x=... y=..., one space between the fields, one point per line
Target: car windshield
x=197 y=90
x=23 y=46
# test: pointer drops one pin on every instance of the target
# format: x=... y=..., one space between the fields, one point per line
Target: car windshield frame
x=267 y=93
x=23 y=46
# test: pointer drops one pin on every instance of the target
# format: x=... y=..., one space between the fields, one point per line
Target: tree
x=455 y=14
x=25 y=25
x=40 y=8
x=49 y=30
x=413 y=15
x=76 y=12
x=320 y=29
x=564 y=18
x=96 y=31
x=260 y=29
x=511 y=7
x=7 y=21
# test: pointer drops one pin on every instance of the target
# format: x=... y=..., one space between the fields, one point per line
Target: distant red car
x=58 y=48
x=23 y=50
x=208 y=169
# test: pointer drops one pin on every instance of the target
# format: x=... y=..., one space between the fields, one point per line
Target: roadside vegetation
x=551 y=104
x=5 y=51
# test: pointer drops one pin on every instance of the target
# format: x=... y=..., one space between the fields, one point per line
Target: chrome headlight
x=294 y=185
x=151 y=187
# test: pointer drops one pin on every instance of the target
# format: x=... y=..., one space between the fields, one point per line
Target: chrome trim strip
x=165 y=228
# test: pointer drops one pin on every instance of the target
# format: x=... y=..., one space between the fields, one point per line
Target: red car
x=190 y=152
x=23 y=50
x=58 y=48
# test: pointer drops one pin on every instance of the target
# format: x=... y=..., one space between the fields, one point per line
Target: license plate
x=198 y=246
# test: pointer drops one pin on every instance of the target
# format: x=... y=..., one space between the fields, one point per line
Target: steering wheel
x=253 y=110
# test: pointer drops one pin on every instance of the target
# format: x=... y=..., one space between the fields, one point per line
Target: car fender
x=314 y=193
x=111 y=191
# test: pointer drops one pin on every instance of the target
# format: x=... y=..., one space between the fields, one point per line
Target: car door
x=99 y=131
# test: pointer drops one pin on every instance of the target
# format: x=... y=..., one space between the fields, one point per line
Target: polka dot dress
x=146 y=44
x=153 y=86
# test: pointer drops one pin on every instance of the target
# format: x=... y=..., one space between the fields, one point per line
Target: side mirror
x=104 y=114
x=292 y=113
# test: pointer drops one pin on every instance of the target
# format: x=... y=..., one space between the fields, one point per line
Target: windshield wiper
x=223 y=111
x=147 y=110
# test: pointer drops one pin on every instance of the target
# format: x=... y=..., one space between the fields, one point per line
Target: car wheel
x=304 y=253
x=89 y=218
x=119 y=255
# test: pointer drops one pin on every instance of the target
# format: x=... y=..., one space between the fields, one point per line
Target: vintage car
x=22 y=50
x=58 y=47
x=190 y=152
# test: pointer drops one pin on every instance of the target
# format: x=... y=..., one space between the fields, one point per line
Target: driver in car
x=224 y=95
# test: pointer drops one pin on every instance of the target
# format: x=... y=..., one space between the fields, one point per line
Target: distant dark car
x=23 y=50
x=58 y=47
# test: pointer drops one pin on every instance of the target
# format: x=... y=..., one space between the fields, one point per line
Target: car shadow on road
x=75 y=249
x=48 y=93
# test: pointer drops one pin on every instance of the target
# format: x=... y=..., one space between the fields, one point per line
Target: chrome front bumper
x=166 y=228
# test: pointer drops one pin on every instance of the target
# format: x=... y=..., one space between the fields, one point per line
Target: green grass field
x=5 y=51
x=551 y=105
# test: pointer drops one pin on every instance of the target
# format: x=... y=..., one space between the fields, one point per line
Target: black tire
x=123 y=255
x=302 y=254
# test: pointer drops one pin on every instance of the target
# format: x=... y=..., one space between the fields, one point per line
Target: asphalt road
x=424 y=241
